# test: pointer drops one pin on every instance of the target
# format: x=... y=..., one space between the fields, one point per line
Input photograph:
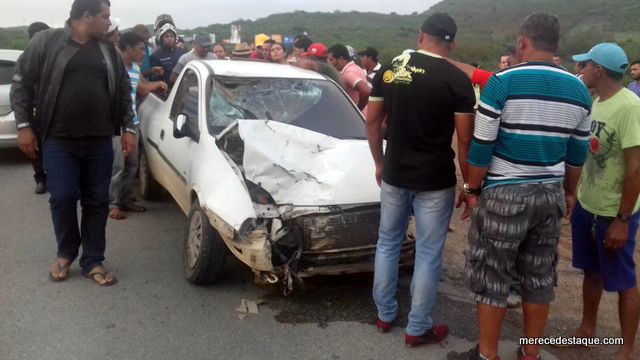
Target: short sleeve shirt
x=351 y=75
x=134 y=76
x=421 y=92
x=615 y=127
x=184 y=60
x=635 y=87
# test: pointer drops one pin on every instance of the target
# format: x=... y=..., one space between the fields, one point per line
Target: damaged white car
x=270 y=162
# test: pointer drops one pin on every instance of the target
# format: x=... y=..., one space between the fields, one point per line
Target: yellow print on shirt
x=401 y=70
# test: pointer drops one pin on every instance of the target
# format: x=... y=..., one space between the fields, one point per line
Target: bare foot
x=117 y=214
x=59 y=270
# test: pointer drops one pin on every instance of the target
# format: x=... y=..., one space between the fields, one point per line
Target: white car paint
x=304 y=171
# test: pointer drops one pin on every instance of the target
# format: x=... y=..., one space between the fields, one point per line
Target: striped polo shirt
x=532 y=119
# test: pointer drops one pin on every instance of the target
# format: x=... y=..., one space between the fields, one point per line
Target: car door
x=178 y=151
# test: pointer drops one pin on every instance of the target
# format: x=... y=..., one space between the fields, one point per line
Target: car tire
x=204 y=250
x=150 y=189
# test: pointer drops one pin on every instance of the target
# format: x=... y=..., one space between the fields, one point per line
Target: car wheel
x=149 y=187
x=204 y=249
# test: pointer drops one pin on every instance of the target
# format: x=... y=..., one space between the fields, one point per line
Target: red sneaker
x=432 y=336
x=383 y=326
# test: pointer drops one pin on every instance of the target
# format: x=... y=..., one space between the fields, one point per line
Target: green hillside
x=484 y=27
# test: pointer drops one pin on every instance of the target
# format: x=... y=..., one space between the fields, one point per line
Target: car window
x=186 y=100
x=6 y=71
x=317 y=105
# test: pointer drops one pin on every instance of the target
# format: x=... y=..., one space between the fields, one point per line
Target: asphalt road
x=154 y=313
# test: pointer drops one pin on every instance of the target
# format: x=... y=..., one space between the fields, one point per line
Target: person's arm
x=375 y=117
x=485 y=133
x=478 y=76
x=23 y=90
x=618 y=232
x=465 y=68
x=128 y=127
x=363 y=90
x=145 y=87
x=576 y=154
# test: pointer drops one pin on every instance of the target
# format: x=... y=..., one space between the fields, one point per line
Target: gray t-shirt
x=184 y=59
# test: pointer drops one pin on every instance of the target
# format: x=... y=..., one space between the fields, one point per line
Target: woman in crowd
x=219 y=51
x=278 y=55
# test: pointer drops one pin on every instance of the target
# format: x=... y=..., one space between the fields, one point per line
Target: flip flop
x=133 y=208
x=116 y=214
x=101 y=271
x=61 y=269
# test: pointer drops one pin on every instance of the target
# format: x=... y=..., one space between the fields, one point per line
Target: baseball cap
x=440 y=25
x=608 y=55
x=203 y=40
x=370 y=52
x=316 y=49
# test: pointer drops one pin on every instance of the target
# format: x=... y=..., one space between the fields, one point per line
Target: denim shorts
x=617 y=268
x=514 y=233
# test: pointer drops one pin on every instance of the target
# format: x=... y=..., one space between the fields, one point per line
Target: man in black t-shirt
x=425 y=99
x=82 y=95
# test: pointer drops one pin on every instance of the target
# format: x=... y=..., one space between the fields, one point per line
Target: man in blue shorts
x=605 y=220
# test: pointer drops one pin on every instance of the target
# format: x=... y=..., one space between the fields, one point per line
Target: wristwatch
x=470 y=191
x=623 y=217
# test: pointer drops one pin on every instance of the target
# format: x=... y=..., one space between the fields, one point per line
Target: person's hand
x=472 y=201
x=161 y=86
x=128 y=143
x=570 y=200
x=379 y=174
x=157 y=70
x=462 y=198
x=617 y=235
x=27 y=142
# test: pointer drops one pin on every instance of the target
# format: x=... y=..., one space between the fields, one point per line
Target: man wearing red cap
x=316 y=59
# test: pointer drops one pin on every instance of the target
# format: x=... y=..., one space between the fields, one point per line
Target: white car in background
x=8 y=133
x=268 y=161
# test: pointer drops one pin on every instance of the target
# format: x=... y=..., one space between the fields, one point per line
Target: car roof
x=11 y=55
x=253 y=69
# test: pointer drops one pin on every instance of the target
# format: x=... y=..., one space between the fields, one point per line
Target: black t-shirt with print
x=421 y=93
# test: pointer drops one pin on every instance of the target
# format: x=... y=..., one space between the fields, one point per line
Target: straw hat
x=241 y=49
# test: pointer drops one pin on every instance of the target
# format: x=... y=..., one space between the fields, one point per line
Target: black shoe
x=41 y=187
x=473 y=354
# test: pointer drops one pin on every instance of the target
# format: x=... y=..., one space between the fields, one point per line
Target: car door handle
x=162 y=134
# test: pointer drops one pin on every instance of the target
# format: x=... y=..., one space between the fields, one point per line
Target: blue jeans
x=79 y=169
x=432 y=210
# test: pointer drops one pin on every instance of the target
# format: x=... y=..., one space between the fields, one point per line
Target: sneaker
x=514 y=300
x=383 y=326
x=473 y=354
x=432 y=336
x=41 y=187
x=523 y=356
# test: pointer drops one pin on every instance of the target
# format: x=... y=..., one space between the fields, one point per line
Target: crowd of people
x=523 y=136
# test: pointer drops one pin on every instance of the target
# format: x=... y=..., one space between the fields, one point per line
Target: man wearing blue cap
x=605 y=220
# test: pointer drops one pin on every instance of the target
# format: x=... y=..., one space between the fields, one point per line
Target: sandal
x=116 y=214
x=131 y=207
x=101 y=276
x=59 y=271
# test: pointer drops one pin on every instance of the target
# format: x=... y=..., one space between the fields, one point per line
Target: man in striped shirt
x=529 y=144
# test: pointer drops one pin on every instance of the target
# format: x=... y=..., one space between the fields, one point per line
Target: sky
x=188 y=14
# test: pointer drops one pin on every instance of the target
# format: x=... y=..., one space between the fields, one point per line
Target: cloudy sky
x=192 y=13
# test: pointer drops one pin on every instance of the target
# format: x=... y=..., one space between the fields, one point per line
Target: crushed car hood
x=305 y=168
